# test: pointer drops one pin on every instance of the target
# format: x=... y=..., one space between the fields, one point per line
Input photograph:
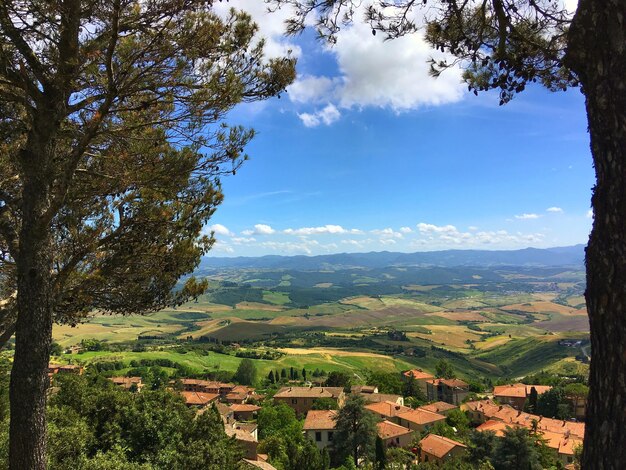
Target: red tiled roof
x=439 y=446
x=418 y=374
x=420 y=416
x=438 y=407
x=320 y=419
x=199 y=398
x=387 y=408
x=387 y=429
x=309 y=392
x=243 y=407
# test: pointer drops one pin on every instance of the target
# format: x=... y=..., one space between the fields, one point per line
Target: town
x=434 y=421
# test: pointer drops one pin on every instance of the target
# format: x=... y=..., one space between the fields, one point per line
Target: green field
x=488 y=325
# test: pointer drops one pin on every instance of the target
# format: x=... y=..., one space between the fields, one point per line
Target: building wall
x=515 y=402
x=325 y=437
x=403 y=441
x=301 y=405
x=426 y=457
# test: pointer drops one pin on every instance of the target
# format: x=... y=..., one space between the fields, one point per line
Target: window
x=294 y=401
x=318 y=436
x=397 y=440
x=330 y=436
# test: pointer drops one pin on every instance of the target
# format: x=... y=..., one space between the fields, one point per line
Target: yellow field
x=450 y=336
x=259 y=306
x=418 y=288
x=460 y=315
x=544 y=307
x=324 y=285
x=364 y=302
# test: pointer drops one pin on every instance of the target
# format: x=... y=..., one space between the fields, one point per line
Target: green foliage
x=387 y=382
x=553 y=404
x=276 y=420
x=95 y=425
x=516 y=450
x=482 y=446
x=444 y=369
x=339 y=379
x=355 y=432
x=246 y=372
x=380 y=459
x=324 y=404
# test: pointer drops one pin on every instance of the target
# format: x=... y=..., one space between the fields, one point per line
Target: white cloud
x=405 y=229
x=259 y=229
x=430 y=228
x=271 y=26
x=554 y=209
x=334 y=229
x=392 y=74
x=472 y=228
x=387 y=233
x=327 y=116
x=527 y=216
x=242 y=240
x=219 y=229
x=590 y=214
x=387 y=241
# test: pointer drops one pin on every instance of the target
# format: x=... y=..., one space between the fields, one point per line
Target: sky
x=367 y=152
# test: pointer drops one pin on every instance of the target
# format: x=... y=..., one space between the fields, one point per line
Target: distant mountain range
x=561 y=256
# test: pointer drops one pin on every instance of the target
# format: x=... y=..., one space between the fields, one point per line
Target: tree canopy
x=113 y=145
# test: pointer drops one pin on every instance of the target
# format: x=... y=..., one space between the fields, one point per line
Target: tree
x=270 y=377
x=324 y=403
x=339 y=379
x=504 y=45
x=516 y=450
x=481 y=446
x=531 y=403
x=112 y=149
x=444 y=370
x=246 y=372
x=387 y=382
x=355 y=431
x=380 y=459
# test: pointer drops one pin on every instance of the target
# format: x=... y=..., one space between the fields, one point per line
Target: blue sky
x=365 y=152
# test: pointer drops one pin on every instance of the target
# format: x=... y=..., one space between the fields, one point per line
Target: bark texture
x=597 y=53
x=33 y=335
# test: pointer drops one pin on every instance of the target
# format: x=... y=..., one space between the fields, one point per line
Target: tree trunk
x=597 y=53
x=33 y=336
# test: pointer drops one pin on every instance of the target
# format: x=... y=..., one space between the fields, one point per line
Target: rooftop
x=387 y=430
x=198 y=398
x=438 y=407
x=387 y=408
x=439 y=446
x=418 y=374
x=320 y=419
x=309 y=392
x=420 y=416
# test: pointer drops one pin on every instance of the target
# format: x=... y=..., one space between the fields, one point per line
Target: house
x=386 y=409
x=440 y=407
x=67 y=369
x=420 y=376
x=516 y=395
x=319 y=426
x=394 y=435
x=245 y=438
x=227 y=414
x=561 y=436
x=254 y=464
x=382 y=397
x=197 y=385
x=436 y=449
x=242 y=412
x=301 y=399
x=451 y=391
x=238 y=394
x=128 y=383
x=199 y=398
x=418 y=420
x=364 y=389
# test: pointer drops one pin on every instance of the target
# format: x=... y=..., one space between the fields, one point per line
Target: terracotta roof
x=126 y=382
x=363 y=389
x=309 y=392
x=237 y=407
x=439 y=446
x=511 y=416
x=518 y=390
x=320 y=419
x=438 y=407
x=198 y=398
x=420 y=416
x=378 y=397
x=418 y=374
x=263 y=465
x=452 y=383
x=239 y=434
x=387 y=408
x=498 y=427
x=387 y=430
